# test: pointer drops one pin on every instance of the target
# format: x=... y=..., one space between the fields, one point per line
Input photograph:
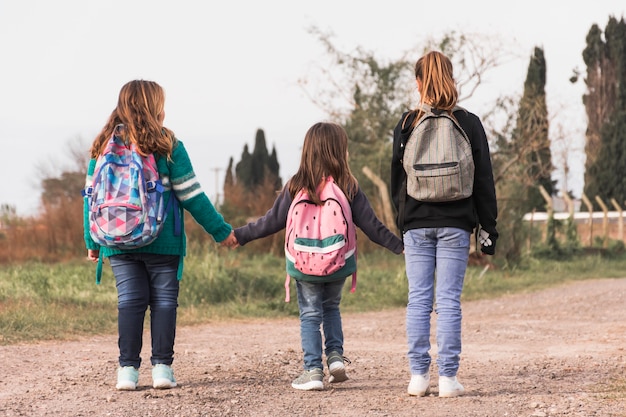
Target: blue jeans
x=446 y=251
x=142 y=280
x=319 y=306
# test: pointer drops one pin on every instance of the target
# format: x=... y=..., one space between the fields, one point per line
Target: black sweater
x=465 y=214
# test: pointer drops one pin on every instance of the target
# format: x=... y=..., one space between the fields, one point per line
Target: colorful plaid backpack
x=125 y=200
x=320 y=241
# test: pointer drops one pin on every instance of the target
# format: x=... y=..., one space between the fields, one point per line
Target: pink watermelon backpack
x=320 y=241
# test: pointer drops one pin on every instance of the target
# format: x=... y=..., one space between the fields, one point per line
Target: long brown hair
x=140 y=109
x=438 y=89
x=324 y=153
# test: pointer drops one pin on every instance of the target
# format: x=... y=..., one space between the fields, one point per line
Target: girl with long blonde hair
x=437 y=235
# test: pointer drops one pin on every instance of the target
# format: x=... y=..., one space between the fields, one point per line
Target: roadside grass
x=534 y=274
x=61 y=301
x=614 y=388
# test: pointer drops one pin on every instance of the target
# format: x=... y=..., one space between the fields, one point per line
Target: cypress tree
x=274 y=168
x=259 y=167
x=605 y=105
x=243 y=170
x=530 y=137
x=260 y=158
x=229 y=180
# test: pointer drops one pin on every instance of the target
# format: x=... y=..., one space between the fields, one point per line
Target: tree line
x=366 y=95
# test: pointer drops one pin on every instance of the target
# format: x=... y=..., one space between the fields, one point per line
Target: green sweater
x=178 y=176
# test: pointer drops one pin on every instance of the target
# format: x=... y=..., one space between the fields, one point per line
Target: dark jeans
x=142 y=280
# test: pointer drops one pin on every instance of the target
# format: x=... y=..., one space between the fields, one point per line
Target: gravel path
x=557 y=352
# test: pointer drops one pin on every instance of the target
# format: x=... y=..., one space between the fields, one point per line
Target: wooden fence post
x=620 y=221
x=530 y=232
x=570 y=205
x=605 y=221
x=384 y=195
x=549 y=206
x=590 y=220
x=571 y=222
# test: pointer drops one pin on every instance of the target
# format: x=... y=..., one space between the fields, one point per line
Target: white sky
x=230 y=68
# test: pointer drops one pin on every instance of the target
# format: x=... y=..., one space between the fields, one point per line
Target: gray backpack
x=438 y=158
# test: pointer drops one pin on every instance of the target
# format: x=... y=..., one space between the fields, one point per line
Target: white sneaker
x=419 y=385
x=450 y=387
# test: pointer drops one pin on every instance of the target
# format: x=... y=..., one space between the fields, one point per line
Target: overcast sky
x=230 y=68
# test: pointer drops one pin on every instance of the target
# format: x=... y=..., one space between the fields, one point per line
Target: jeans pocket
x=454 y=237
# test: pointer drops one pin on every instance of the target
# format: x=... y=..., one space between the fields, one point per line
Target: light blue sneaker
x=163 y=376
x=127 y=378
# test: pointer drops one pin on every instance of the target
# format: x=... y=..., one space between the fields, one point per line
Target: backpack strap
x=172 y=203
x=287 y=289
x=99 y=268
x=403 y=194
x=179 y=273
x=405 y=134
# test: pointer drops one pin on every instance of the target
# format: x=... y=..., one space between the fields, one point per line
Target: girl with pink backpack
x=323 y=165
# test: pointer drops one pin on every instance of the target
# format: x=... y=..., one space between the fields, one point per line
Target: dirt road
x=558 y=352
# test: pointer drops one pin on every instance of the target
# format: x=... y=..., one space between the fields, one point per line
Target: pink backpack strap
x=353 y=289
x=287 y=292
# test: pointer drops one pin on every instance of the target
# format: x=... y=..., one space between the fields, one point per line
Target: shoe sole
x=126 y=386
x=337 y=374
x=163 y=383
x=309 y=386
x=451 y=394
x=418 y=393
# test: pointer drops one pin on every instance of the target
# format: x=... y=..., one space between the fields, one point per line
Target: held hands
x=231 y=241
x=487 y=244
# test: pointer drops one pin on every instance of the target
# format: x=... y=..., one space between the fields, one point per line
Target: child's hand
x=230 y=241
x=93 y=255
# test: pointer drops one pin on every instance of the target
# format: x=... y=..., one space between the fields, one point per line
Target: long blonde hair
x=438 y=89
x=324 y=153
x=140 y=109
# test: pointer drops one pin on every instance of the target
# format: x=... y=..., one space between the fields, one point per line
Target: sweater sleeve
x=273 y=221
x=398 y=175
x=484 y=193
x=365 y=218
x=192 y=197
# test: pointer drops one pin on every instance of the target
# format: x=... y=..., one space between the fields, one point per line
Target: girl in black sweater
x=437 y=235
